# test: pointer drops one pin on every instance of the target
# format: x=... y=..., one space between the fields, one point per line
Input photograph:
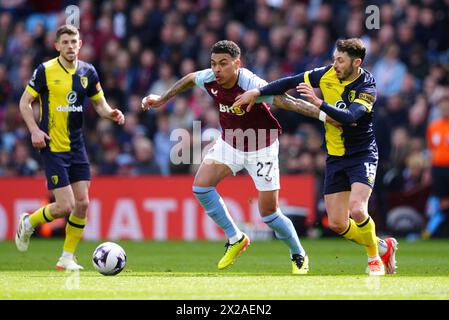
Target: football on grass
x=109 y=259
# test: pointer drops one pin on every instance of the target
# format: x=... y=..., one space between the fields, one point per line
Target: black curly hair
x=227 y=46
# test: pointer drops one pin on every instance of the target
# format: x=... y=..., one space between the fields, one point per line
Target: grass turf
x=187 y=270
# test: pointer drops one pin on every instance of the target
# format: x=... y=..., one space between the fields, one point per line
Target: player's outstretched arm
x=347 y=116
x=273 y=88
x=38 y=136
x=105 y=111
x=303 y=107
x=183 y=84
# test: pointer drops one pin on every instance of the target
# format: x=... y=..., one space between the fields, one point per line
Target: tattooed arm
x=303 y=107
x=155 y=101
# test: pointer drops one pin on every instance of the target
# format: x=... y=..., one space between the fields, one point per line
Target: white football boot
x=23 y=234
x=68 y=263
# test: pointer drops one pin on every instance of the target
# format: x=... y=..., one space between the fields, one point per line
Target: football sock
x=352 y=232
x=66 y=254
x=73 y=232
x=363 y=233
x=373 y=258
x=215 y=208
x=285 y=231
x=41 y=216
x=367 y=230
x=235 y=238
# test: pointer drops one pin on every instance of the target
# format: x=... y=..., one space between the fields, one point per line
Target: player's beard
x=69 y=59
x=347 y=73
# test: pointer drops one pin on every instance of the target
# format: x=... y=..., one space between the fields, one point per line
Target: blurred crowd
x=142 y=47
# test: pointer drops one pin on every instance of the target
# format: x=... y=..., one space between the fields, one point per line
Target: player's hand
x=337 y=124
x=117 y=116
x=248 y=98
x=152 y=101
x=38 y=138
x=307 y=92
x=333 y=122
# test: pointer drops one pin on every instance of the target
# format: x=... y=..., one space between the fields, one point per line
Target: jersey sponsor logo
x=71 y=97
x=237 y=110
x=84 y=81
x=367 y=97
x=69 y=108
x=340 y=104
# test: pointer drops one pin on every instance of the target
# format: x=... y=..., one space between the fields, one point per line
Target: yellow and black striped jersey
x=341 y=94
x=62 y=93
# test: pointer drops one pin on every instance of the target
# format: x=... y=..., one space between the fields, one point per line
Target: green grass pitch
x=187 y=271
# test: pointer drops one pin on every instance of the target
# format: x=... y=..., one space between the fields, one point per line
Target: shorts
x=64 y=168
x=342 y=172
x=262 y=165
x=440 y=181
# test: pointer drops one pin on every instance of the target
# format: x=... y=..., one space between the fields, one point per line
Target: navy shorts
x=342 y=172
x=440 y=181
x=64 y=168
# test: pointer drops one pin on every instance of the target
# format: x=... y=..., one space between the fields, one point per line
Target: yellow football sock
x=363 y=233
x=352 y=232
x=367 y=230
x=41 y=216
x=73 y=232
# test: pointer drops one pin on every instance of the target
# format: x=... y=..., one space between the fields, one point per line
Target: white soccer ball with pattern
x=109 y=258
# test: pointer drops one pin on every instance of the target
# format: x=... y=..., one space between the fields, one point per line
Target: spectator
x=144 y=157
x=389 y=72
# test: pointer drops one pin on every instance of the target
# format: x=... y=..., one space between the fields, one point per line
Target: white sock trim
x=66 y=254
x=373 y=258
x=236 y=238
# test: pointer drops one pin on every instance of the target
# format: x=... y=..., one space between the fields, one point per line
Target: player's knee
x=357 y=209
x=82 y=205
x=337 y=225
x=267 y=209
x=64 y=209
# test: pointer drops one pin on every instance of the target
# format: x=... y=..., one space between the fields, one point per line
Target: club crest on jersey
x=84 y=82
x=351 y=95
x=55 y=180
x=237 y=110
